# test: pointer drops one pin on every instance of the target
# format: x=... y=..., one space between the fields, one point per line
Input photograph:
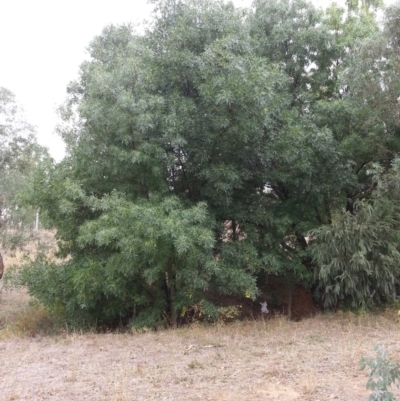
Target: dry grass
x=18 y=315
x=315 y=359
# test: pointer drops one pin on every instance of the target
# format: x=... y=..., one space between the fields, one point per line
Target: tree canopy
x=219 y=146
x=20 y=154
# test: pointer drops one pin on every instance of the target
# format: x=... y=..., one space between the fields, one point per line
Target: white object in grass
x=264 y=308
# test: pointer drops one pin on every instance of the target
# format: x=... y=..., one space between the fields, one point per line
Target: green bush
x=357 y=255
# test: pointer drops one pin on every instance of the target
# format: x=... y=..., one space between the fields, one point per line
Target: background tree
x=19 y=155
x=358 y=254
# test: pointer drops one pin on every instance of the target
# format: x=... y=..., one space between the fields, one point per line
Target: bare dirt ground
x=314 y=359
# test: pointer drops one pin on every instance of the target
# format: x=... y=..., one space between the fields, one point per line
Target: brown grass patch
x=18 y=315
x=314 y=359
x=261 y=360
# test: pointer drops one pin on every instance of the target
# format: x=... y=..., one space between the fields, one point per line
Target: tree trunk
x=1 y=266
x=171 y=283
x=290 y=301
x=174 y=317
x=290 y=284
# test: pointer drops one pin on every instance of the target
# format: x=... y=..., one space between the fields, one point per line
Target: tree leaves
x=20 y=155
x=202 y=152
x=358 y=254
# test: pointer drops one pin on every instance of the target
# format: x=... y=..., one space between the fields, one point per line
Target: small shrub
x=195 y=365
x=205 y=311
x=147 y=320
x=383 y=374
x=229 y=313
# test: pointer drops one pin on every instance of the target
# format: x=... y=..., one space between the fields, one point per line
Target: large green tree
x=200 y=155
x=166 y=121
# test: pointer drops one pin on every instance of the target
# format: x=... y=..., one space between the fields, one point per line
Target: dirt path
x=315 y=359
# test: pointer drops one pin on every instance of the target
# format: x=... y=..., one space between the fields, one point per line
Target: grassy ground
x=314 y=359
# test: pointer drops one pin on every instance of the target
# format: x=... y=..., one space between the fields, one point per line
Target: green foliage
x=383 y=374
x=229 y=313
x=200 y=312
x=202 y=152
x=16 y=135
x=127 y=260
x=358 y=254
x=205 y=311
x=20 y=154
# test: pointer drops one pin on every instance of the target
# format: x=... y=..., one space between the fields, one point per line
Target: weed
x=194 y=364
x=383 y=374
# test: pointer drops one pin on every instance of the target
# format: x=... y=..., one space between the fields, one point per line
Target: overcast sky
x=42 y=44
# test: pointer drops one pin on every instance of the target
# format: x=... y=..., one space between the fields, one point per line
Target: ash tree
x=200 y=155
x=165 y=122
